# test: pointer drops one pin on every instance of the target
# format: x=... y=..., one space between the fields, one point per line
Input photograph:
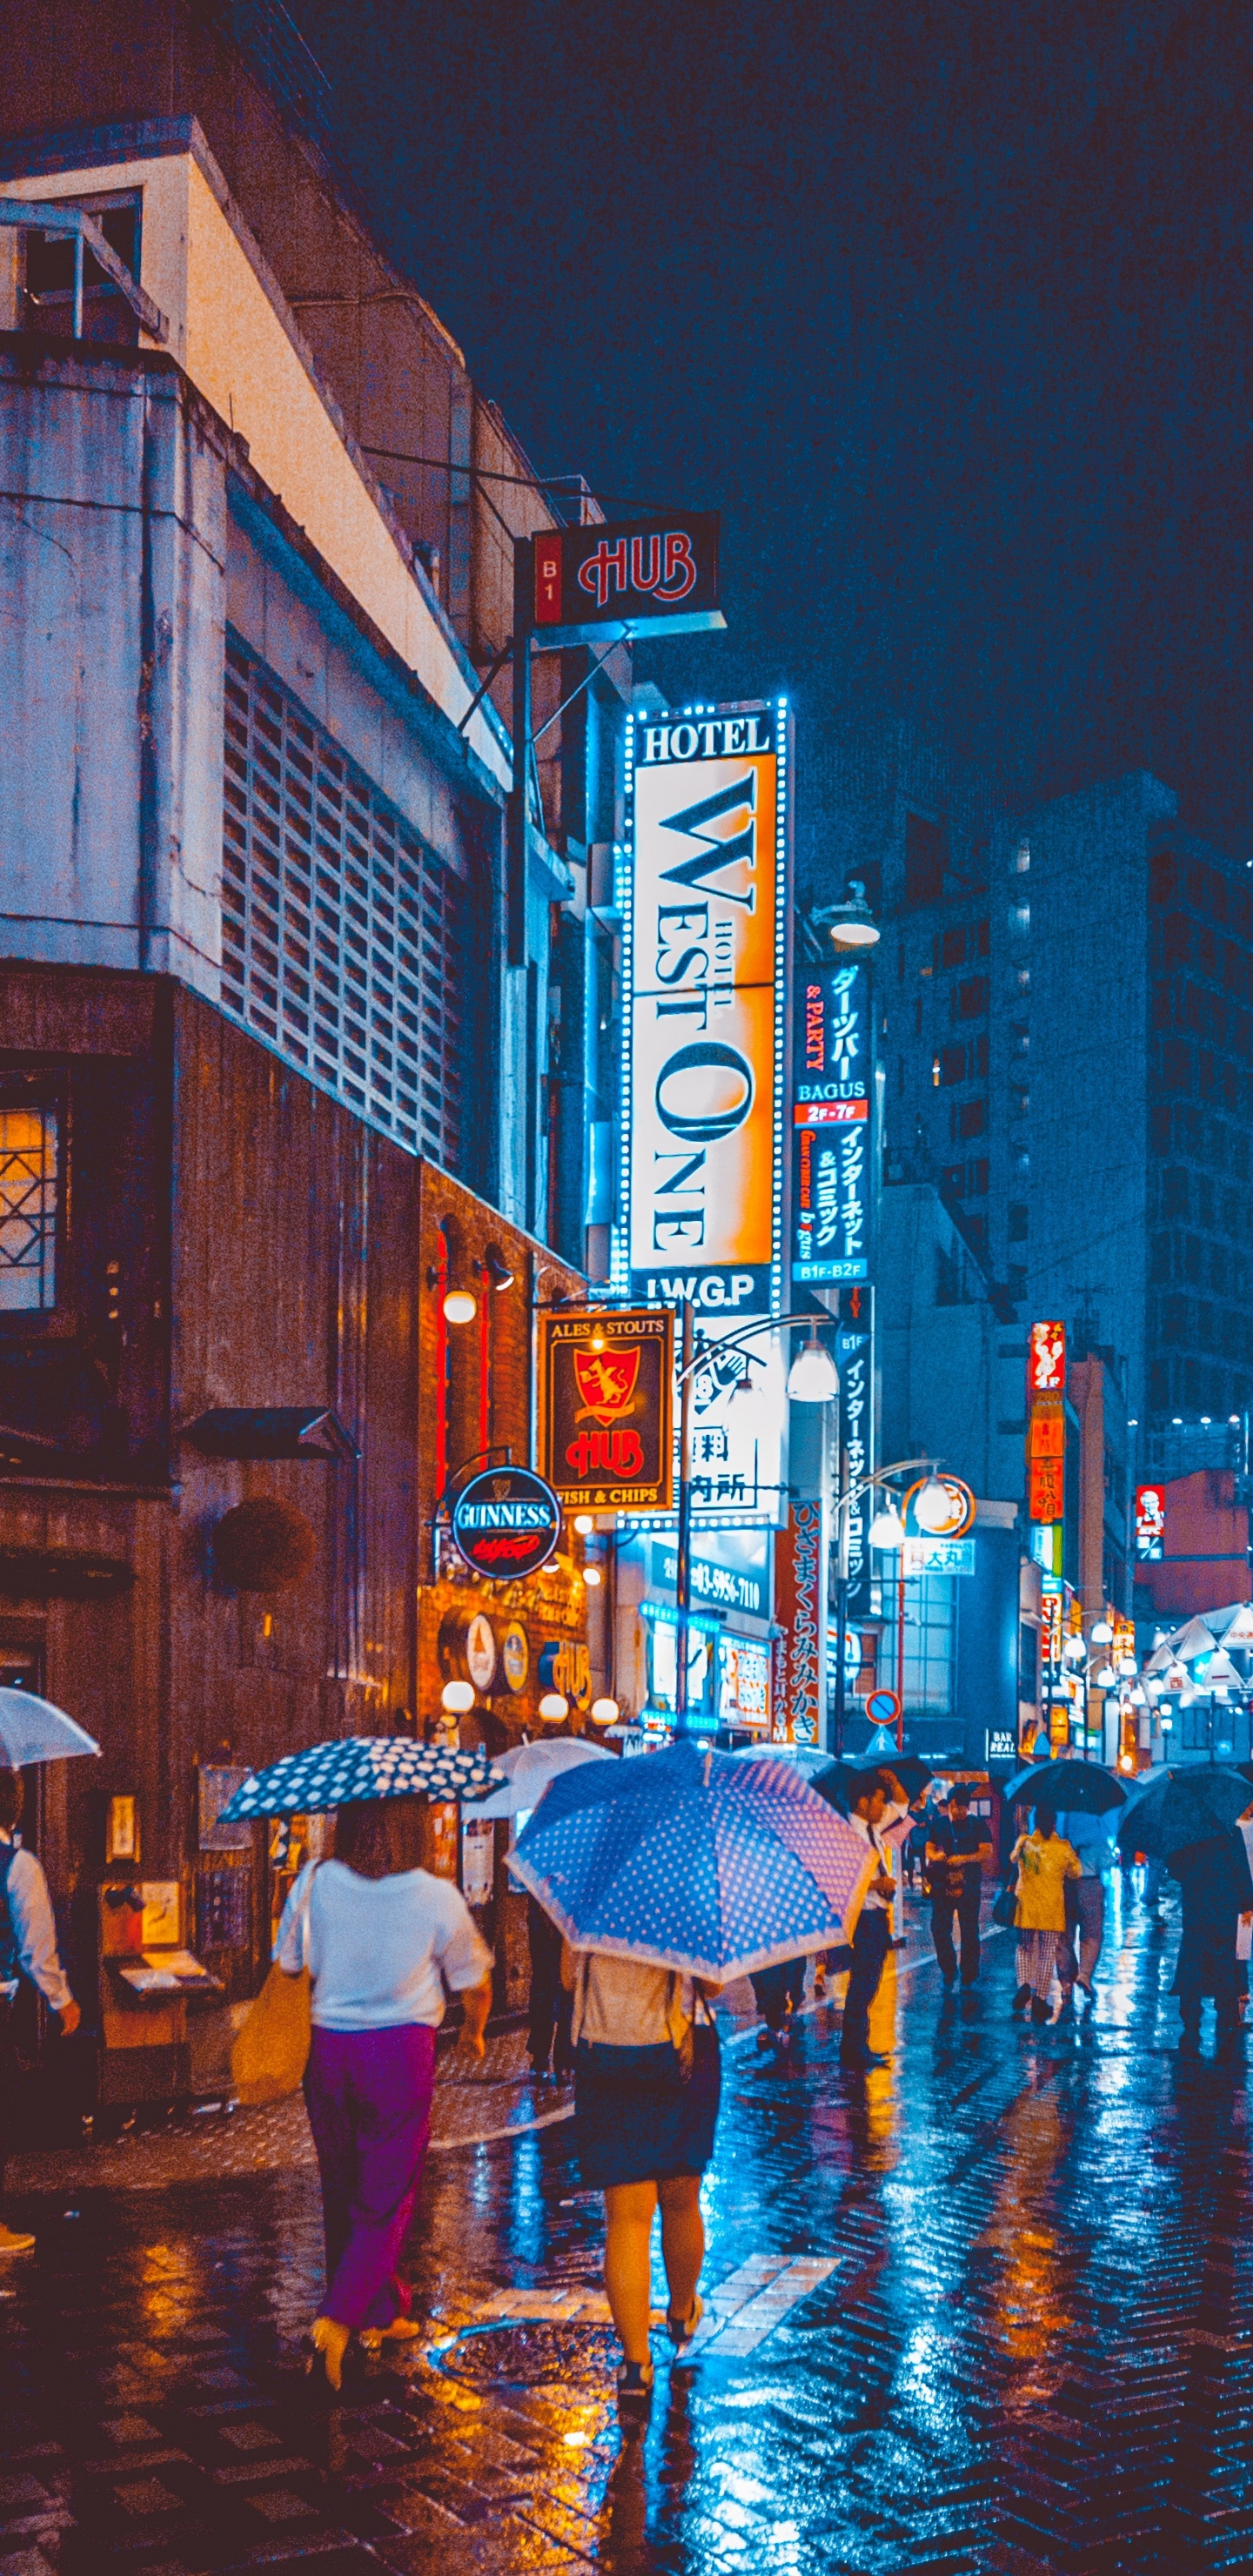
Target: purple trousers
x=369 y=2099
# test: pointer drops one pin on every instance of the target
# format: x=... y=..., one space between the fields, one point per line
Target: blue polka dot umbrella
x=361 y=1766
x=691 y=1860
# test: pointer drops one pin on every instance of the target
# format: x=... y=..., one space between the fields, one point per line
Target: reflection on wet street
x=988 y=2309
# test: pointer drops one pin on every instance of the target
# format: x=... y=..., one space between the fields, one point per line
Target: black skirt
x=627 y=2131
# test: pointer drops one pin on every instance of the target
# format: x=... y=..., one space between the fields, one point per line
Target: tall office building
x=1066 y=1047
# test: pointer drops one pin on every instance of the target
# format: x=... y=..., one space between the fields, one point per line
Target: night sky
x=947 y=308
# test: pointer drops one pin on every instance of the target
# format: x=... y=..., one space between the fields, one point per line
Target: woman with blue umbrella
x=668 y=1877
x=384 y=1943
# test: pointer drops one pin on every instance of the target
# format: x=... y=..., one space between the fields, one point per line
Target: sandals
x=331 y=2340
x=635 y=2395
x=682 y=2329
x=401 y=2330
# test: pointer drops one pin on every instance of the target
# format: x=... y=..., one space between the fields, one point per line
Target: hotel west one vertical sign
x=705 y=966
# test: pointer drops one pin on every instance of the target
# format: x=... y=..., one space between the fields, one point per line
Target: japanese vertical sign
x=831 y=1065
x=800 y=1689
x=705 y=958
x=855 y=1357
x=1046 y=1423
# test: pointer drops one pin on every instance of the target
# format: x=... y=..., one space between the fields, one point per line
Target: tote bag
x=271 y=2047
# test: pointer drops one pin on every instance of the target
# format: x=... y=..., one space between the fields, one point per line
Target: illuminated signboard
x=606 y=1383
x=655 y=576
x=506 y=1523
x=801 y=1613
x=855 y=1359
x=949 y=1513
x=1046 y=1424
x=705 y=902
x=1046 y=1359
x=831 y=1123
x=1150 y=1524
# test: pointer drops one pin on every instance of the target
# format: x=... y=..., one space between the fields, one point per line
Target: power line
x=525 y=482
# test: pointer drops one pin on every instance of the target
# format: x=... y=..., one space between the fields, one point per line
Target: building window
x=924 y=861
x=48 y=290
x=345 y=941
x=970 y=999
x=970 y=1118
x=1017 y=1222
x=28 y=1209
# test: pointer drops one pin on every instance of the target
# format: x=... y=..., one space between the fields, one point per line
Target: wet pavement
x=987 y=2310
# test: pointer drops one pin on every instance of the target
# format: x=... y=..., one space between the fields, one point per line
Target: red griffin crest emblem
x=606 y=1381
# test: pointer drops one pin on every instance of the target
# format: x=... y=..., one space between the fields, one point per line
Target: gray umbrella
x=1186 y=1806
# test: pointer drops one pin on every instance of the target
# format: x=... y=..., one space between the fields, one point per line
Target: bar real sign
x=705 y=961
x=606 y=1385
x=831 y=1124
x=656 y=576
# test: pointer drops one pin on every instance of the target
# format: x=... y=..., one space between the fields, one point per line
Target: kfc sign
x=1150 y=1524
x=652 y=577
x=1046 y=1359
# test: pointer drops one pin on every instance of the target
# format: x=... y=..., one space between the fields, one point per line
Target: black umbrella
x=1189 y=1806
x=1069 y=1788
x=836 y=1782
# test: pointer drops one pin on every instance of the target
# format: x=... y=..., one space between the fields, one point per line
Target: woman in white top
x=647 y=2086
x=382 y=1940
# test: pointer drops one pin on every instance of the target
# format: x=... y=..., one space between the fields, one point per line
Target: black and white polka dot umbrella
x=355 y=1767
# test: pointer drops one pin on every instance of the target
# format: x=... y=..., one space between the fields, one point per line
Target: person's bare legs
x=682 y=2240
x=629 y=2210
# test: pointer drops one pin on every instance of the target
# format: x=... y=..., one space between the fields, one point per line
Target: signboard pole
x=683 y=1571
x=515 y=871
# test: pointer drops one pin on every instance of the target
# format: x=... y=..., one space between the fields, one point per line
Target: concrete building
x=272 y=1088
x=336 y=447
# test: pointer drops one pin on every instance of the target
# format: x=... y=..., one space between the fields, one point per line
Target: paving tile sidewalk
x=986 y=2311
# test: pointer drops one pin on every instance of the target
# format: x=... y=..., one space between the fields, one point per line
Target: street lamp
x=851 y=924
x=887 y=1529
x=811 y=1378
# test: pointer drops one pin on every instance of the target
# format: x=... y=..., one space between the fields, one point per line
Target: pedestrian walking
x=872 y=1796
x=647 y=2079
x=1215 y=1888
x=549 y=2001
x=914 y=1850
x=1045 y=1863
x=778 y=1993
x=957 y=1846
x=28 y=1948
x=1092 y=1837
x=384 y=1942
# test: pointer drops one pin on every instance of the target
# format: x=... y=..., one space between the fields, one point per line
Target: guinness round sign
x=506 y=1523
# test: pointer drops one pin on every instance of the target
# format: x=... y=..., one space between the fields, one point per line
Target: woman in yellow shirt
x=1045 y=1862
